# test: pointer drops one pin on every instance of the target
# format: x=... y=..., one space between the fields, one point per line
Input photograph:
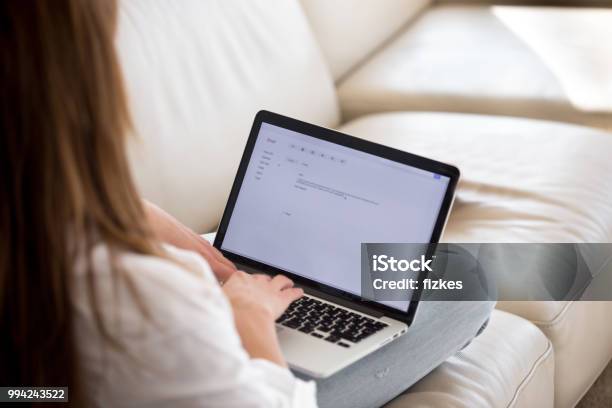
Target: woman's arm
x=169 y=230
x=257 y=300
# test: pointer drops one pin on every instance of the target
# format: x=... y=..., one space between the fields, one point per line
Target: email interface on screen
x=306 y=205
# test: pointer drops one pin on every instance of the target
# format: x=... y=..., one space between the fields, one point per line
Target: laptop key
x=306 y=329
x=336 y=333
x=293 y=324
x=368 y=330
x=332 y=339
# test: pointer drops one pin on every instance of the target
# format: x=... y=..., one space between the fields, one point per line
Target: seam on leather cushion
x=531 y=374
x=557 y=319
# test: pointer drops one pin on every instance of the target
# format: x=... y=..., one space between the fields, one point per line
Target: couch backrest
x=196 y=73
x=350 y=30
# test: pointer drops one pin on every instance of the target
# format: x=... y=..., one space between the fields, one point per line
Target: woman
x=89 y=296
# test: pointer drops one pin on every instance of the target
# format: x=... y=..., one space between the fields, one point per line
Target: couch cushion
x=582 y=336
x=493 y=60
x=196 y=74
x=349 y=30
x=511 y=364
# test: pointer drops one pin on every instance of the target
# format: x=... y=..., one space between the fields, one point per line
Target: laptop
x=304 y=199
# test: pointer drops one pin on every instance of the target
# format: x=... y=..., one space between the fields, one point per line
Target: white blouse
x=188 y=354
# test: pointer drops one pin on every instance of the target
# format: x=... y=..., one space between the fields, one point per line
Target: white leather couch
x=390 y=71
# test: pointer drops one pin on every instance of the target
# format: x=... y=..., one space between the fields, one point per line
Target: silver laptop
x=303 y=201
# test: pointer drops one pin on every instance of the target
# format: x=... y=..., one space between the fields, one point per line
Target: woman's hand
x=260 y=294
x=257 y=301
x=168 y=229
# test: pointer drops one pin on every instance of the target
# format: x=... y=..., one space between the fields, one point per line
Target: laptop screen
x=305 y=206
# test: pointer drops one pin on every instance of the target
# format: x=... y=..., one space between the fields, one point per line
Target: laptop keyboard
x=328 y=322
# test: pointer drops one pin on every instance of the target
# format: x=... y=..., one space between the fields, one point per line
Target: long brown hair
x=64 y=177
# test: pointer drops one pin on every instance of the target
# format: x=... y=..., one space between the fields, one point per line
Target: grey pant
x=440 y=329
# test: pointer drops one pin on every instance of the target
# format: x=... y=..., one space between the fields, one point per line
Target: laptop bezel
x=352 y=142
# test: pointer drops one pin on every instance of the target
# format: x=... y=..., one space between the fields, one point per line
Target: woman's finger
x=281 y=282
x=292 y=294
x=262 y=277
